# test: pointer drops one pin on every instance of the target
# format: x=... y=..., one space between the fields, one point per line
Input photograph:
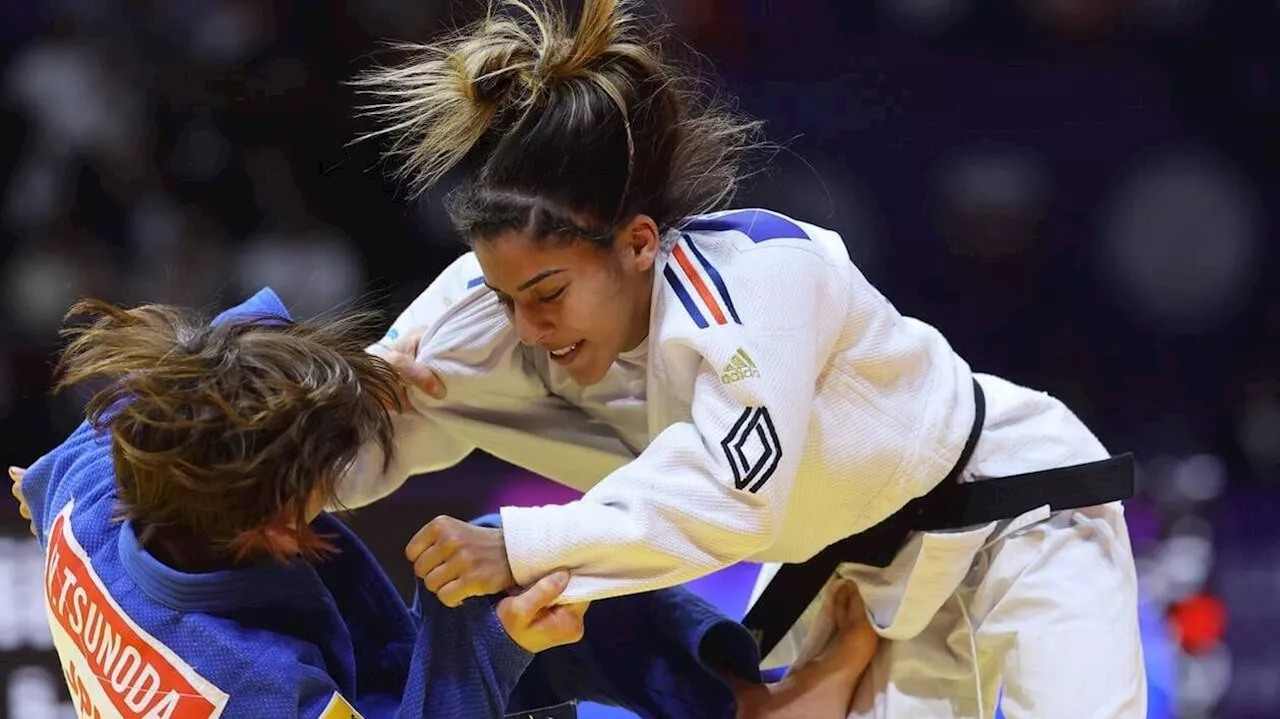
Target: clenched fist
x=457 y=560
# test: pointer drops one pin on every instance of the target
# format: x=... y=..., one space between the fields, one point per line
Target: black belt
x=950 y=505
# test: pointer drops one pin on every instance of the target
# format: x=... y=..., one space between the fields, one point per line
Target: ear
x=638 y=242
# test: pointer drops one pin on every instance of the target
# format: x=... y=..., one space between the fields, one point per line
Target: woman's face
x=582 y=303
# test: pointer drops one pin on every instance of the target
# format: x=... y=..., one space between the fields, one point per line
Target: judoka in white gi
x=722 y=385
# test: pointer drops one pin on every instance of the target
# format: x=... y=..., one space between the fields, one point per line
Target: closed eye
x=554 y=295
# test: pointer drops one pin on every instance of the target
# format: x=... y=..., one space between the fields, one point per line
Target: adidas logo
x=738 y=368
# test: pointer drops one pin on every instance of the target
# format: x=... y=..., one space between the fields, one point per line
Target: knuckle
x=422 y=565
x=438 y=530
x=416 y=544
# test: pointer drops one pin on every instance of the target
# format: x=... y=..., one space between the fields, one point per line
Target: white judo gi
x=779 y=405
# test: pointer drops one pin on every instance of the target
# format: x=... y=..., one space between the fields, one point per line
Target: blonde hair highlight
x=486 y=85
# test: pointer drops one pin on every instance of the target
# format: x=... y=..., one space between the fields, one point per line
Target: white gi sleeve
x=711 y=490
x=494 y=401
x=422 y=444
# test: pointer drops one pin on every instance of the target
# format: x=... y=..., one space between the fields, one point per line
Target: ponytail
x=565 y=120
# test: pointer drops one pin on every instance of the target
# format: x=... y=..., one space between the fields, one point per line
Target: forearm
x=421 y=446
x=612 y=550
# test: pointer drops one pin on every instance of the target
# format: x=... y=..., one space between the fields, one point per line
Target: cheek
x=593 y=314
x=578 y=317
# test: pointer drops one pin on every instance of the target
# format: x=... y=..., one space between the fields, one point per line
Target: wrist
x=506 y=558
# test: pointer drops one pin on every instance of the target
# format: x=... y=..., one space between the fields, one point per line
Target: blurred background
x=1082 y=194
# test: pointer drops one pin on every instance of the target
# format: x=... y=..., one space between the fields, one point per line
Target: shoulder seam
x=699 y=286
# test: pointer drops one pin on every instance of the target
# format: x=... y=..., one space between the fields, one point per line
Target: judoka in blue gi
x=190 y=572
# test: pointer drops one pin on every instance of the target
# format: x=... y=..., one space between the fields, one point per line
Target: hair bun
x=492 y=70
x=493 y=87
x=532 y=59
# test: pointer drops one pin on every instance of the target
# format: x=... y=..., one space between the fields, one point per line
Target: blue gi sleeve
x=76 y=468
x=38 y=490
x=430 y=662
x=658 y=653
x=464 y=663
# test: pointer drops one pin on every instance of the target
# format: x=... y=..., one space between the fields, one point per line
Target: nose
x=531 y=327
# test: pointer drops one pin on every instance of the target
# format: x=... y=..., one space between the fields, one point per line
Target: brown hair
x=575 y=131
x=225 y=435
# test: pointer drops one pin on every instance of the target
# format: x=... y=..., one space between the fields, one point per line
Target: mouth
x=565 y=354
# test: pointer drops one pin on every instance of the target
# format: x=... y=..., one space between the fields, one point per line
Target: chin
x=588 y=375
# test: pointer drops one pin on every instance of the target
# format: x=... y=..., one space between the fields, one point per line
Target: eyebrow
x=532 y=280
